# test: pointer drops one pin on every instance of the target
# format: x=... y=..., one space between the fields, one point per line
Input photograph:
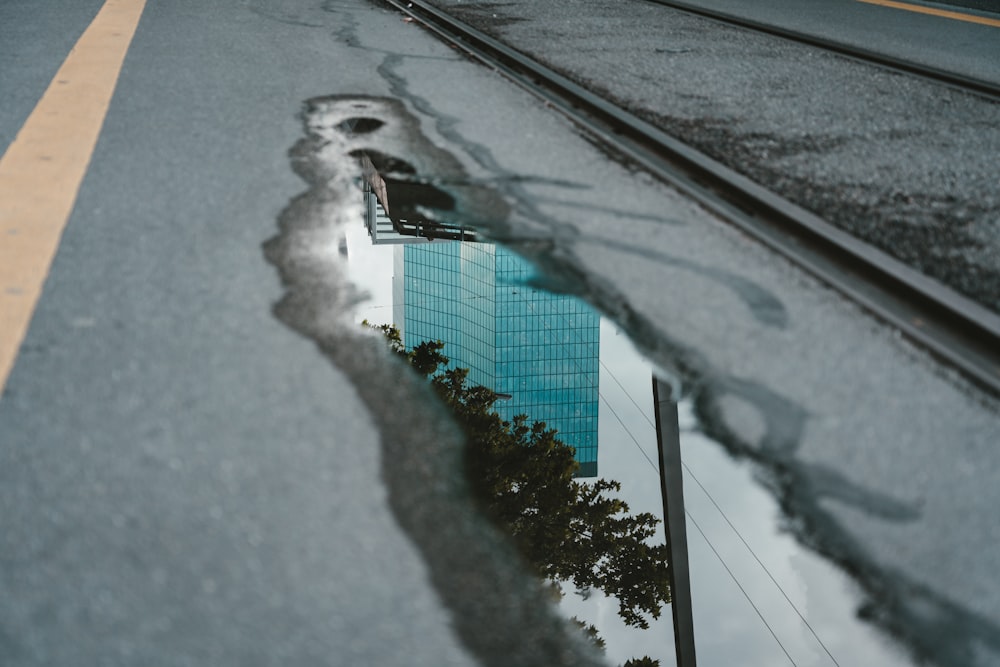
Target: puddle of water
x=758 y=596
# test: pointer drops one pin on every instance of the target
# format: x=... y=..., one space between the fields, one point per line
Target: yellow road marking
x=41 y=172
x=944 y=13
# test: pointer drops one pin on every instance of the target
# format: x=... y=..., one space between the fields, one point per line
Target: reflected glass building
x=538 y=348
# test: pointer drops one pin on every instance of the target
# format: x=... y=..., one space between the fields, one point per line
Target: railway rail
x=952 y=327
x=981 y=87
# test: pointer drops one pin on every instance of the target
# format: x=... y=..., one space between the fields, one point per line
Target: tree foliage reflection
x=571 y=531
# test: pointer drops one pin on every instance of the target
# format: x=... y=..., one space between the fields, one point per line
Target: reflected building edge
x=538 y=350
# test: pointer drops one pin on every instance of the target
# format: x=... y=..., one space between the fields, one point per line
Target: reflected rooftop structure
x=402 y=220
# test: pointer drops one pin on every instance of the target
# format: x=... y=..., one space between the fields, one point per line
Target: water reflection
x=759 y=598
x=539 y=353
x=537 y=350
x=396 y=203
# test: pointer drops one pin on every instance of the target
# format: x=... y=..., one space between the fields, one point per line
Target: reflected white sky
x=759 y=598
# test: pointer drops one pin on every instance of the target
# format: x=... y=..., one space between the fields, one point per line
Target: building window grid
x=497 y=305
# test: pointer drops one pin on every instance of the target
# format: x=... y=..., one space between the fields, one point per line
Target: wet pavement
x=756 y=592
x=828 y=404
x=207 y=461
x=753 y=418
x=902 y=163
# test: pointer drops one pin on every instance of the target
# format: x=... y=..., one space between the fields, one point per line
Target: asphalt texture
x=981 y=5
x=33 y=45
x=183 y=481
x=963 y=48
x=202 y=463
x=901 y=163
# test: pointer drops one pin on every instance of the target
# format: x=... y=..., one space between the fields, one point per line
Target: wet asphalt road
x=964 y=48
x=903 y=164
x=184 y=479
x=169 y=449
x=32 y=47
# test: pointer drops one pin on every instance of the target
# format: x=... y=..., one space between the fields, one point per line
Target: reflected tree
x=590 y=631
x=571 y=531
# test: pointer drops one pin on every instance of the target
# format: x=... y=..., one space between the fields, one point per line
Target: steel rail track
x=960 y=81
x=955 y=329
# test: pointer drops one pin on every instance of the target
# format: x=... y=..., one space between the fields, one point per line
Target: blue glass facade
x=539 y=348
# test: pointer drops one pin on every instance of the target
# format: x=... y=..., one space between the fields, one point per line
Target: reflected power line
x=731 y=526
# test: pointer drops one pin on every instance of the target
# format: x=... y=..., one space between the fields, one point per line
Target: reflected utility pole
x=672 y=491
